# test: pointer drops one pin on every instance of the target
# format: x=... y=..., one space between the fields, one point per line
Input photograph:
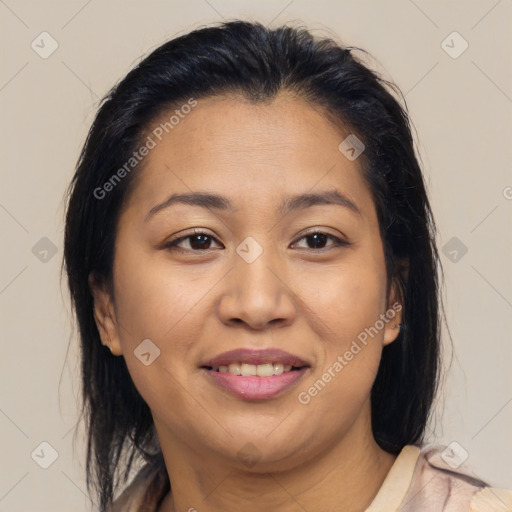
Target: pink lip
x=256 y=388
x=251 y=356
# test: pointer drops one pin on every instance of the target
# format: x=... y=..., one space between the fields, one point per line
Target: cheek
x=351 y=352
x=344 y=299
x=155 y=299
x=347 y=304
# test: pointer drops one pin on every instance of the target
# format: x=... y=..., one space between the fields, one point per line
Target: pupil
x=316 y=239
x=202 y=244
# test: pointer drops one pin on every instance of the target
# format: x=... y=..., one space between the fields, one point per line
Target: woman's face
x=256 y=278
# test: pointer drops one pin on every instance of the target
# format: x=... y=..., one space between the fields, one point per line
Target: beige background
x=461 y=109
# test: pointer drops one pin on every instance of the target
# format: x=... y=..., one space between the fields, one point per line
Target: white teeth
x=235 y=369
x=250 y=370
x=278 y=368
x=265 y=370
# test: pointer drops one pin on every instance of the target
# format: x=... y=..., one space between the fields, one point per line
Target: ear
x=396 y=304
x=104 y=314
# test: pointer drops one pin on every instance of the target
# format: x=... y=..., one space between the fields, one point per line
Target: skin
x=311 y=302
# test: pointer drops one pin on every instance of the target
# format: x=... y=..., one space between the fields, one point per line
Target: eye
x=201 y=241
x=197 y=241
x=319 y=238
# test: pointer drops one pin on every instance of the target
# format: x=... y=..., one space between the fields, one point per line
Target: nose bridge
x=257 y=293
x=252 y=266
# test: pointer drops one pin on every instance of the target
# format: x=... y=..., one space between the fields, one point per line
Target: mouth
x=255 y=375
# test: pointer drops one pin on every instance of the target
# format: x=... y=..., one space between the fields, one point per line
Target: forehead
x=248 y=151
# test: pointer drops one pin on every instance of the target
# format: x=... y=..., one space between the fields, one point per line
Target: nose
x=257 y=294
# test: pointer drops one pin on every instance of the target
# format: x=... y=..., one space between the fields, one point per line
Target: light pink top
x=420 y=480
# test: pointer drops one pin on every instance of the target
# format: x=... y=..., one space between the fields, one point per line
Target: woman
x=251 y=254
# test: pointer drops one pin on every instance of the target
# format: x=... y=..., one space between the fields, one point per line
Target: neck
x=348 y=474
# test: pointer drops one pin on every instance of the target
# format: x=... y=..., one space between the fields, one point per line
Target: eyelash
x=173 y=244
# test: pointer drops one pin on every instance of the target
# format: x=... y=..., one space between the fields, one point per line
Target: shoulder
x=441 y=481
x=135 y=497
x=131 y=497
x=492 y=499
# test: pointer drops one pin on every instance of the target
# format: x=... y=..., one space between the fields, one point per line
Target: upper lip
x=251 y=356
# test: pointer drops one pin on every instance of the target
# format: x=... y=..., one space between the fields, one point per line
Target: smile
x=259 y=370
x=253 y=386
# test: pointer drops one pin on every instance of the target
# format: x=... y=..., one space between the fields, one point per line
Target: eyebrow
x=222 y=203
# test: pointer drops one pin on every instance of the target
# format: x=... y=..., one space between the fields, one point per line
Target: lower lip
x=256 y=388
